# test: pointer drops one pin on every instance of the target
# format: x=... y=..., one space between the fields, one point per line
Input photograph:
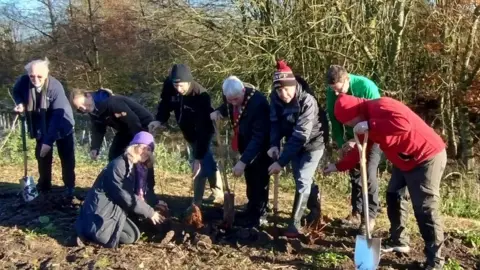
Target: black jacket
x=108 y=203
x=301 y=121
x=46 y=124
x=254 y=125
x=192 y=113
x=119 y=112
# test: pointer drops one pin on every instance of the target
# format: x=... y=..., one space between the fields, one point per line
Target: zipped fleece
x=360 y=87
x=406 y=140
x=192 y=112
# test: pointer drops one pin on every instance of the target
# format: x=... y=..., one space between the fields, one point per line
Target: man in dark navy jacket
x=248 y=111
x=49 y=120
x=121 y=113
x=296 y=115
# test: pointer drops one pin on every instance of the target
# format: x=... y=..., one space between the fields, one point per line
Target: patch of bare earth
x=38 y=235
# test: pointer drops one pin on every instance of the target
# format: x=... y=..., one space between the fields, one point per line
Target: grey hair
x=232 y=86
x=44 y=62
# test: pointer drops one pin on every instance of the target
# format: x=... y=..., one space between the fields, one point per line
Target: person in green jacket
x=340 y=81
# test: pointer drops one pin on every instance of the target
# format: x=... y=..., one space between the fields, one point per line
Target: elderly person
x=119 y=112
x=247 y=110
x=296 y=115
x=340 y=81
x=192 y=106
x=49 y=120
x=115 y=195
x=419 y=158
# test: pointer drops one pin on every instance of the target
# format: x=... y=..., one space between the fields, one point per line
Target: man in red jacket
x=419 y=158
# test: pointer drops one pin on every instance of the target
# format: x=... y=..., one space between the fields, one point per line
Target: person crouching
x=248 y=110
x=117 y=193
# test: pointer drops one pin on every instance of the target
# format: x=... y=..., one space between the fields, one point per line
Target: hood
x=101 y=95
x=347 y=107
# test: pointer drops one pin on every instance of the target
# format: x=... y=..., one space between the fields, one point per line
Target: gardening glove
x=361 y=127
x=154 y=126
x=275 y=168
x=349 y=145
x=273 y=152
x=19 y=108
x=45 y=149
x=239 y=169
x=330 y=169
x=216 y=115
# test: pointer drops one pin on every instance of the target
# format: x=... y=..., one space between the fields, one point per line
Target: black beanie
x=181 y=73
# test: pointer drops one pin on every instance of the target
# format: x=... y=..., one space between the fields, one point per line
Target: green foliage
x=329 y=260
x=452 y=264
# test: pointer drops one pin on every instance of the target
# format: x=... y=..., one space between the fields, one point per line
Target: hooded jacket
x=119 y=112
x=406 y=140
x=192 y=112
x=300 y=121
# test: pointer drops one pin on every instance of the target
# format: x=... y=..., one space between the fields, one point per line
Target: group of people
x=292 y=113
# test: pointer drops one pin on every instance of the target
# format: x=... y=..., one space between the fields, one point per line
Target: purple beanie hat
x=144 y=137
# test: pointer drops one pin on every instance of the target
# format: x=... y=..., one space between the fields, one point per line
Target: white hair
x=44 y=62
x=232 y=86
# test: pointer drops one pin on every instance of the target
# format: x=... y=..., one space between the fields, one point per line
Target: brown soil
x=38 y=236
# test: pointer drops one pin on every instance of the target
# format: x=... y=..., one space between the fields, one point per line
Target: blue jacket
x=50 y=124
x=108 y=203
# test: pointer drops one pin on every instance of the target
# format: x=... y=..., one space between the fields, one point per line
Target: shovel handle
x=24 y=143
x=362 y=149
x=220 y=163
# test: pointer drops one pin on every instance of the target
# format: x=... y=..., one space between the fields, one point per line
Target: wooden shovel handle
x=362 y=149
x=220 y=163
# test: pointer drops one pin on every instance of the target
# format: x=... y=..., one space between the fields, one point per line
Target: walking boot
x=314 y=206
x=299 y=205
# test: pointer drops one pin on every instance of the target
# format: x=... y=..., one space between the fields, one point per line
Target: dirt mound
x=38 y=236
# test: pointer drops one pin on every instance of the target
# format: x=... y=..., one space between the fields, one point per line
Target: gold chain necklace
x=242 y=109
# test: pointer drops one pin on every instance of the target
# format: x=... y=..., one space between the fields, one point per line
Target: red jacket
x=402 y=135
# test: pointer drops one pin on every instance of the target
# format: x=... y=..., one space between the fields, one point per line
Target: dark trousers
x=423 y=184
x=119 y=144
x=257 y=180
x=66 y=152
x=130 y=232
x=373 y=159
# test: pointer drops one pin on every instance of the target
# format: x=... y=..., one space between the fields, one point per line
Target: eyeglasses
x=35 y=76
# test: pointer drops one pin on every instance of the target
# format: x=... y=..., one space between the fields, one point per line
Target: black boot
x=299 y=205
x=314 y=205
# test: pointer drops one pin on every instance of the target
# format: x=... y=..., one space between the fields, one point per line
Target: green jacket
x=361 y=87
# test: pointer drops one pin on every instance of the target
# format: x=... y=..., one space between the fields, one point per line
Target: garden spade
x=367 y=249
x=29 y=191
x=228 y=196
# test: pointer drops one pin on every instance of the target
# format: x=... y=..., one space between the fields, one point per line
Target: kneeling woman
x=117 y=194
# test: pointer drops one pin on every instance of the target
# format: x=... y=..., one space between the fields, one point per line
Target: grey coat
x=108 y=203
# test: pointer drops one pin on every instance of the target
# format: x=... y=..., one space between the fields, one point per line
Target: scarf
x=32 y=108
x=141 y=173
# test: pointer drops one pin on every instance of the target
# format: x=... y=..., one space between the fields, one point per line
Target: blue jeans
x=208 y=170
x=304 y=166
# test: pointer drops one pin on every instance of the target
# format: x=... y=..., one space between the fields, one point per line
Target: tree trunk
x=466 y=140
x=96 y=64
